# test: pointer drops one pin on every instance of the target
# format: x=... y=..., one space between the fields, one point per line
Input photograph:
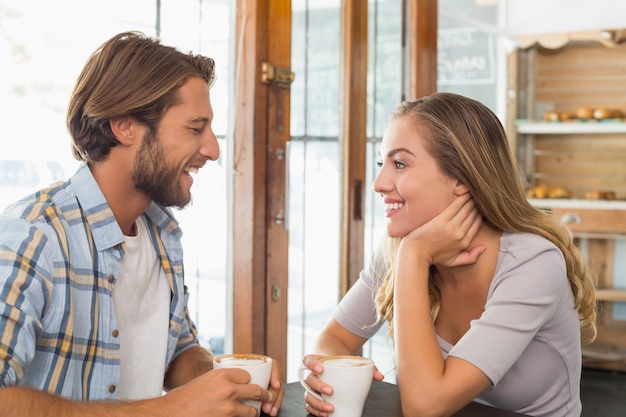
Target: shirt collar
x=104 y=227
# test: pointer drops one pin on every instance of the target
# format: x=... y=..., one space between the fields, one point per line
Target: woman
x=485 y=294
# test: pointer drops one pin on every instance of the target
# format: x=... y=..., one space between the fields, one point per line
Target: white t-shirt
x=142 y=298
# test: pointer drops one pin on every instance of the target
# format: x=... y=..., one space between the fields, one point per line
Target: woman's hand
x=446 y=239
x=314 y=405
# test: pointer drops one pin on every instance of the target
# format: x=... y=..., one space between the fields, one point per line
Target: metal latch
x=278 y=76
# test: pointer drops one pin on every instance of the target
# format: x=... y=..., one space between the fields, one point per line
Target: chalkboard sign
x=466 y=56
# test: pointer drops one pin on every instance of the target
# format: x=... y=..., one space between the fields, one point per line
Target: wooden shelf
x=577 y=203
x=611 y=294
x=576 y=127
x=580 y=156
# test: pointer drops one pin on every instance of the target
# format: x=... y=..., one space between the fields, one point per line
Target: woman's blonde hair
x=469 y=144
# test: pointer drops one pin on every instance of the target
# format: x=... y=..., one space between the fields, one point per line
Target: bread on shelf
x=544 y=191
x=600 y=195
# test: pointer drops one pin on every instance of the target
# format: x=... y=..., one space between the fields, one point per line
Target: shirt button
x=111 y=278
x=118 y=246
x=111 y=389
x=115 y=333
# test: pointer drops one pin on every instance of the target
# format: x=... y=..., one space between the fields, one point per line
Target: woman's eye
x=379 y=164
x=399 y=165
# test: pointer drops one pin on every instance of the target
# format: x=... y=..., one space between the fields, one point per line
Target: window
x=43 y=47
x=315 y=169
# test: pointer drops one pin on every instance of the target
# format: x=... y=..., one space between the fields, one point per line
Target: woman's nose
x=380 y=184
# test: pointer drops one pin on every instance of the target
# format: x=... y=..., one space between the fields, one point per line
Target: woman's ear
x=460 y=188
x=123 y=128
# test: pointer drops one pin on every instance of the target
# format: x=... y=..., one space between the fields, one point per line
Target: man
x=93 y=307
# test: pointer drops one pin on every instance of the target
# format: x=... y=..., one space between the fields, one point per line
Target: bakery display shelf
x=578 y=203
x=531 y=127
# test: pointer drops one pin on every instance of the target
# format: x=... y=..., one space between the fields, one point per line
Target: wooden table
x=382 y=401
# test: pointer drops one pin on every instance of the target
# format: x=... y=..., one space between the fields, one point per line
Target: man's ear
x=124 y=129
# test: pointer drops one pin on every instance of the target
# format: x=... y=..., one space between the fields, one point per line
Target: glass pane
x=42 y=50
x=40 y=59
x=315 y=61
x=468 y=50
x=313 y=244
x=313 y=176
x=385 y=63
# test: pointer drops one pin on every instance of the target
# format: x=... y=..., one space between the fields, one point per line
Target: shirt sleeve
x=25 y=287
x=356 y=312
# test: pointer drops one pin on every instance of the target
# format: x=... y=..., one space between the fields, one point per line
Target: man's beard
x=153 y=176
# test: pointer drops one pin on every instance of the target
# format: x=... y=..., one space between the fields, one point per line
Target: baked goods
x=600 y=195
x=552 y=116
x=558 y=192
x=543 y=191
x=539 y=191
x=584 y=113
x=599 y=113
x=602 y=113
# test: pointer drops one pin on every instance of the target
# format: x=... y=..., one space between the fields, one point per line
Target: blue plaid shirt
x=59 y=252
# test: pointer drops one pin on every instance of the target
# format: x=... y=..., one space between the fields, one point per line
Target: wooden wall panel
x=581 y=163
x=580 y=75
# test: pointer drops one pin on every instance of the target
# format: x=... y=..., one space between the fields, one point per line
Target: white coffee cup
x=258 y=366
x=351 y=379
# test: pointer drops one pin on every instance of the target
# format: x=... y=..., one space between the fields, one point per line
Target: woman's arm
x=336 y=340
x=430 y=386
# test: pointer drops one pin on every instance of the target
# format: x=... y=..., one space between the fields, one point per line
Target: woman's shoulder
x=530 y=265
x=529 y=256
x=520 y=245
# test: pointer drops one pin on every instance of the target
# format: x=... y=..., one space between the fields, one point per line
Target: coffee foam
x=345 y=361
x=242 y=360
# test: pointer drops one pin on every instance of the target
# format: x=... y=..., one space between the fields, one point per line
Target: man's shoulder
x=44 y=212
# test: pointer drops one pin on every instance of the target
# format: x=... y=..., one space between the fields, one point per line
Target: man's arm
x=21 y=401
x=213 y=394
x=188 y=365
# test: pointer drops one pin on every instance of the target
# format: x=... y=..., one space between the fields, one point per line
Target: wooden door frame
x=421 y=26
x=260 y=132
x=353 y=140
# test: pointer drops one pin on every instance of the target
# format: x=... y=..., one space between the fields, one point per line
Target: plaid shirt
x=59 y=252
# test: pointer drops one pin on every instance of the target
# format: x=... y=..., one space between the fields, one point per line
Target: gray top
x=527 y=341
